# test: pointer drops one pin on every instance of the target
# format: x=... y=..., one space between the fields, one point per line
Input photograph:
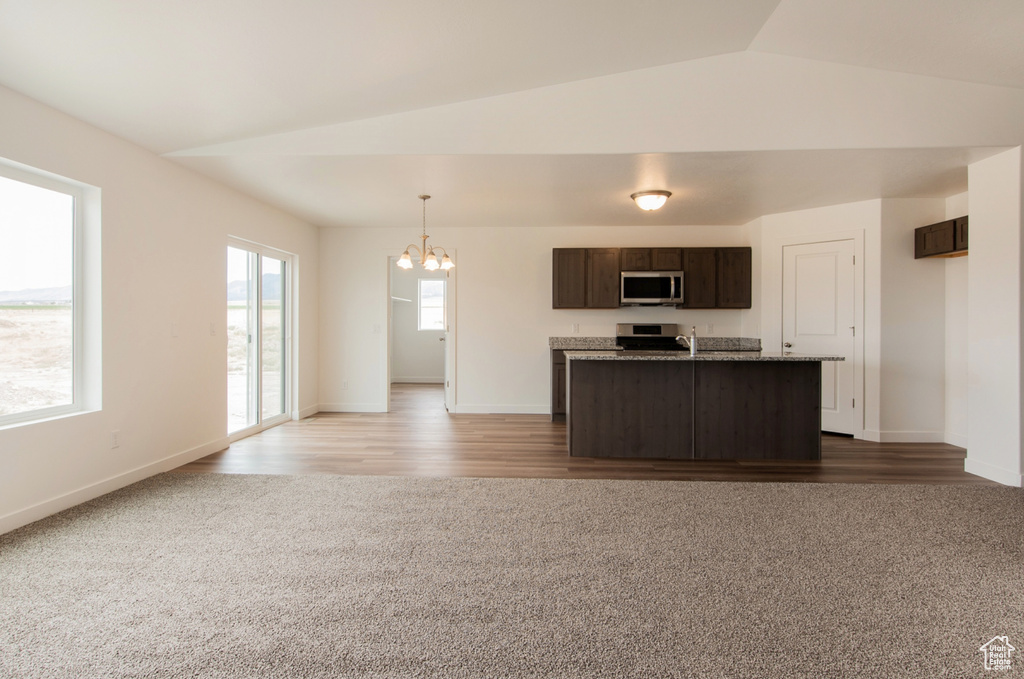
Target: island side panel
x=757 y=410
x=638 y=409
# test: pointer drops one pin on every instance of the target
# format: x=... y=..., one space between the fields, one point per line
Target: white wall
x=913 y=328
x=994 y=333
x=416 y=355
x=164 y=234
x=956 y=334
x=504 y=309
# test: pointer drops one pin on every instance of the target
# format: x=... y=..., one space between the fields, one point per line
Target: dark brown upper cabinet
x=584 y=278
x=651 y=259
x=699 y=268
x=734 y=277
x=635 y=259
x=589 y=278
x=945 y=239
x=666 y=259
x=960 y=234
x=602 y=278
x=569 y=278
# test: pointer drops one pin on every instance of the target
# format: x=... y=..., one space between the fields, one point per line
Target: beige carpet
x=274 y=576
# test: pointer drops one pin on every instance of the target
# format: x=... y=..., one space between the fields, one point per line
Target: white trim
x=417 y=380
x=872 y=435
x=23 y=517
x=505 y=409
x=353 y=408
x=306 y=412
x=956 y=440
x=912 y=437
x=1006 y=477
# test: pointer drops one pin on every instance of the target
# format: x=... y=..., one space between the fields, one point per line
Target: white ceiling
x=182 y=78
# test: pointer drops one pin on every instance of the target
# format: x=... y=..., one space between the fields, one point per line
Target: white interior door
x=819 y=317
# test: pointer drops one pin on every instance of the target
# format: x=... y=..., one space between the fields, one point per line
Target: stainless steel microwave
x=651 y=287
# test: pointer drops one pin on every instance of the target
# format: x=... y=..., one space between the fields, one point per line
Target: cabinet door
x=569 y=278
x=960 y=233
x=935 y=239
x=602 y=278
x=699 y=266
x=558 y=385
x=734 y=278
x=667 y=259
x=635 y=259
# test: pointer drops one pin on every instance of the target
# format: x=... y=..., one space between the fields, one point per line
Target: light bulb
x=430 y=264
x=405 y=261
x=447 y=263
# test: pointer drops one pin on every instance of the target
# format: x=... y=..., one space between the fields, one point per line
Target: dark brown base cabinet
x=557 y=384
x=712 y=410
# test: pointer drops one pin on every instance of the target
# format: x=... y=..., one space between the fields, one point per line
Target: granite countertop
x=577 y=355
x=579 y=343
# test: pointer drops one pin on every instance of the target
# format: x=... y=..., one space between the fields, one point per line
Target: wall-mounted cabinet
x=651 y=259
x=945 y=239
x=713 y=278
x=585 y=278
x=734 y=276
x=700 y=267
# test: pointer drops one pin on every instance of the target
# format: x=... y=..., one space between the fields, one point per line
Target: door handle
x=787 y=344
x=440 y=339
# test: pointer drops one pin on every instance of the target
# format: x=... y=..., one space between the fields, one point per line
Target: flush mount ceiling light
x=650 y=200
x=426 y=252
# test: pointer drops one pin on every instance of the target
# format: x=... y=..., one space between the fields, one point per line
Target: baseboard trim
x=353 y=408
x=417 y=380
x=956 y=440
x=504 y=410
x=23 y=517
x=912 y=437
x=872 y=435
x=993 y=473
x=307 y=412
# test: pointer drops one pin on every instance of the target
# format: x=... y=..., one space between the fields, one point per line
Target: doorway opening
x=421 y=339
x=259 y=338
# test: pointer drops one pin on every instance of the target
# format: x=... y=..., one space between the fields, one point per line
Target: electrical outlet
x=115 y=439
x=344 y=384
x=575 y=328
x=710 y=328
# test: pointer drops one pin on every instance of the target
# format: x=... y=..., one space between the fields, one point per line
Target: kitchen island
x=718 y=405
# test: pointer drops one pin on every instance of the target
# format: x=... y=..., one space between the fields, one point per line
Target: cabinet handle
x=787 y=344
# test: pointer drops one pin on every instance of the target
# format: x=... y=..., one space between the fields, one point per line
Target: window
x=41 y=295
x=431 y=304
x=258 y=338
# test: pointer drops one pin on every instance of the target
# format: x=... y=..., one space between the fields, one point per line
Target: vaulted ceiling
x=538 y=112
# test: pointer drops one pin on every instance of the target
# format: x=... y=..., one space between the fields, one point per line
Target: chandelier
x=426 y=252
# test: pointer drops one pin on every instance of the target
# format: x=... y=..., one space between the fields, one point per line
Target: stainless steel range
x=649 y=337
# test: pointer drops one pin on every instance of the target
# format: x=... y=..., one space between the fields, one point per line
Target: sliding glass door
x=257 y=339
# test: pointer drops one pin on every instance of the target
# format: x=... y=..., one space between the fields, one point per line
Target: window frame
x=442 y=306
x=84 y=341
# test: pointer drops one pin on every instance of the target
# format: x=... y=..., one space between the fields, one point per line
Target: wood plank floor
x=419 y=438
